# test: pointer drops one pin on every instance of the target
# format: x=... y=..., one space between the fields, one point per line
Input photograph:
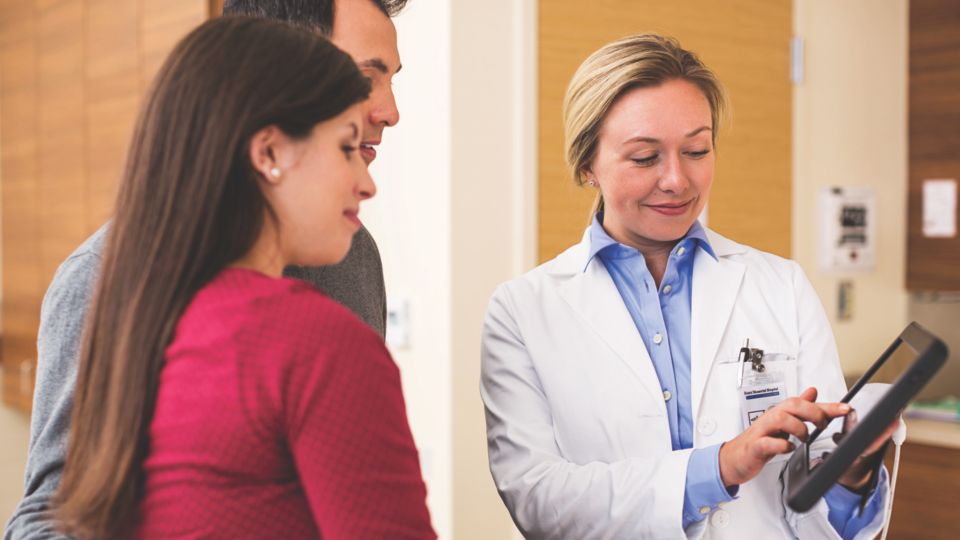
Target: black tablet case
x=805 y=486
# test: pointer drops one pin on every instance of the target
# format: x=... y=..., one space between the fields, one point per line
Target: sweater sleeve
x=352 y=446
x=58 y=350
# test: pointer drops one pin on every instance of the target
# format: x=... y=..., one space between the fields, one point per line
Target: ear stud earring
x=275 y=172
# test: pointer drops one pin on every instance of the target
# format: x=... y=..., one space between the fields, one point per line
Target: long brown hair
x=188 y=205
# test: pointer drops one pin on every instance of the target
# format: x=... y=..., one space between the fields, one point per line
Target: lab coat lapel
x=716 y=285
x=595 y=299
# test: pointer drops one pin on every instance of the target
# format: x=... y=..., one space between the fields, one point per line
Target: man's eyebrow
x=379 y=65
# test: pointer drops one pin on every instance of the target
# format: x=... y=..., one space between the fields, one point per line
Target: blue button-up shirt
x=662 y=317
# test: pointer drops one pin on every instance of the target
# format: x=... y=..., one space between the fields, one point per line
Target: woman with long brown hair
x=214 y=397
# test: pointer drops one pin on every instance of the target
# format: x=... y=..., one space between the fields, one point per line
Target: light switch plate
x=398 y=322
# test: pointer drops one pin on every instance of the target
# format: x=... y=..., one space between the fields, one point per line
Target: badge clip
x=755 y=356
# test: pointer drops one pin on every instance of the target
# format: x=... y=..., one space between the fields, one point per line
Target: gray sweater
x=357 y=283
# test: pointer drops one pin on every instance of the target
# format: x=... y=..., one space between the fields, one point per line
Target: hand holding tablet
x=859 y=474
x=806 y=482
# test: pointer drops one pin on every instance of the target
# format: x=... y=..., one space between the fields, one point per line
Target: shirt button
x=667 y=395
x=657 y=338
x=667 y=289
x=681 y=251
x=720 y=519
x=707 y=426
x=704 y=510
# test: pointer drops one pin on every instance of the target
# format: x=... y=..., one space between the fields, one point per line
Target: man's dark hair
x=316 y=15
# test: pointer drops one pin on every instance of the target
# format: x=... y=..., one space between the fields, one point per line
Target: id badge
x=763 y=386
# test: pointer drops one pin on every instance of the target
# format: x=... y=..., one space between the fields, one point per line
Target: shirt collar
x=600 y=240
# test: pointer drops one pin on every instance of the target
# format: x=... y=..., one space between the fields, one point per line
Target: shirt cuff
x=844 y=505
x=704 y=490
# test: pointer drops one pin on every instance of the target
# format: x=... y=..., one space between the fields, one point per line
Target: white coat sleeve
x=819 y=366
x=547 y=495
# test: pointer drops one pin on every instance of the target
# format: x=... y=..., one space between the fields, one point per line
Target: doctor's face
x=654 y=163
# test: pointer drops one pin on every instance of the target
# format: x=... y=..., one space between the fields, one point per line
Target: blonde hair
x=638 y=61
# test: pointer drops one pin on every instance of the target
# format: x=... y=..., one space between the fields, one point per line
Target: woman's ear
x=589 y=177
x=265 y=147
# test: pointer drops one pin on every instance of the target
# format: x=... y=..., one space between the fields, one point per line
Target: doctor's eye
x=646 y=161
x=697 y=154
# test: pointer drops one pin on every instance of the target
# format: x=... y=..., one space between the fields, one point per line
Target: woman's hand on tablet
x=744 y=456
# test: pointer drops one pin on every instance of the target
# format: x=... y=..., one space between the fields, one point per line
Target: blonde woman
x=610 y=374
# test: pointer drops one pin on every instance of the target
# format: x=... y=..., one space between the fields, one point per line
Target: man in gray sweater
x=363 y=29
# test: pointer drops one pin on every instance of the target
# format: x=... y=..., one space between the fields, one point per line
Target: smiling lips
x=368 y=151
x=353 y=216
x=671 y=209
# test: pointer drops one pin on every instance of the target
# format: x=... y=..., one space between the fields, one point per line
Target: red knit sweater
x=279 y=415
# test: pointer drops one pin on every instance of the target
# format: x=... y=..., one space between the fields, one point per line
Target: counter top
x=933 y=433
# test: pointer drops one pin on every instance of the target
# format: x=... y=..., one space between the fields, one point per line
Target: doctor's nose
x=672 y=178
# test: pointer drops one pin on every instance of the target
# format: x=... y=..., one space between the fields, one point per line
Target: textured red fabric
x=279 y=415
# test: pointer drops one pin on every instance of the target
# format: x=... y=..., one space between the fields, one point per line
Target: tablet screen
x=902 y=356
x=886 y=369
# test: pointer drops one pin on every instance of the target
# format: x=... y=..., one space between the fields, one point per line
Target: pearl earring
x=275 y=172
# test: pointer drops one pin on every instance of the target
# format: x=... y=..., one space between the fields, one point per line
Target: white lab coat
x=579 y=441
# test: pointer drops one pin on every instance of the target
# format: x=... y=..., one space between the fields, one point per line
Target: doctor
x=610 y=375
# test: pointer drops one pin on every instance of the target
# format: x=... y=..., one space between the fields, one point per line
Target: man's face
x=366 y=34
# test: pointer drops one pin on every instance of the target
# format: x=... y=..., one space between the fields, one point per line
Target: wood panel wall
x=746 y=42
x=72 y=73
x=933 y=264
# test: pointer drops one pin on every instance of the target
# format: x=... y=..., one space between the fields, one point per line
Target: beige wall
x=493 y=216
x=850 y=129
x=451 y=224
x=410 y=219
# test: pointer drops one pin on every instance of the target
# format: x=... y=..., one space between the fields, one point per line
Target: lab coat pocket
x=785 y=365
x=614 y=422
x=611 y=437
x=782 y=364
x=761 y=391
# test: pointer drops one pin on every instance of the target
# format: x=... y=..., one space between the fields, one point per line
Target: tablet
x=922 y=354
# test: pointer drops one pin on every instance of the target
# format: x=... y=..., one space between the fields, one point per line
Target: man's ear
x=265 y=147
